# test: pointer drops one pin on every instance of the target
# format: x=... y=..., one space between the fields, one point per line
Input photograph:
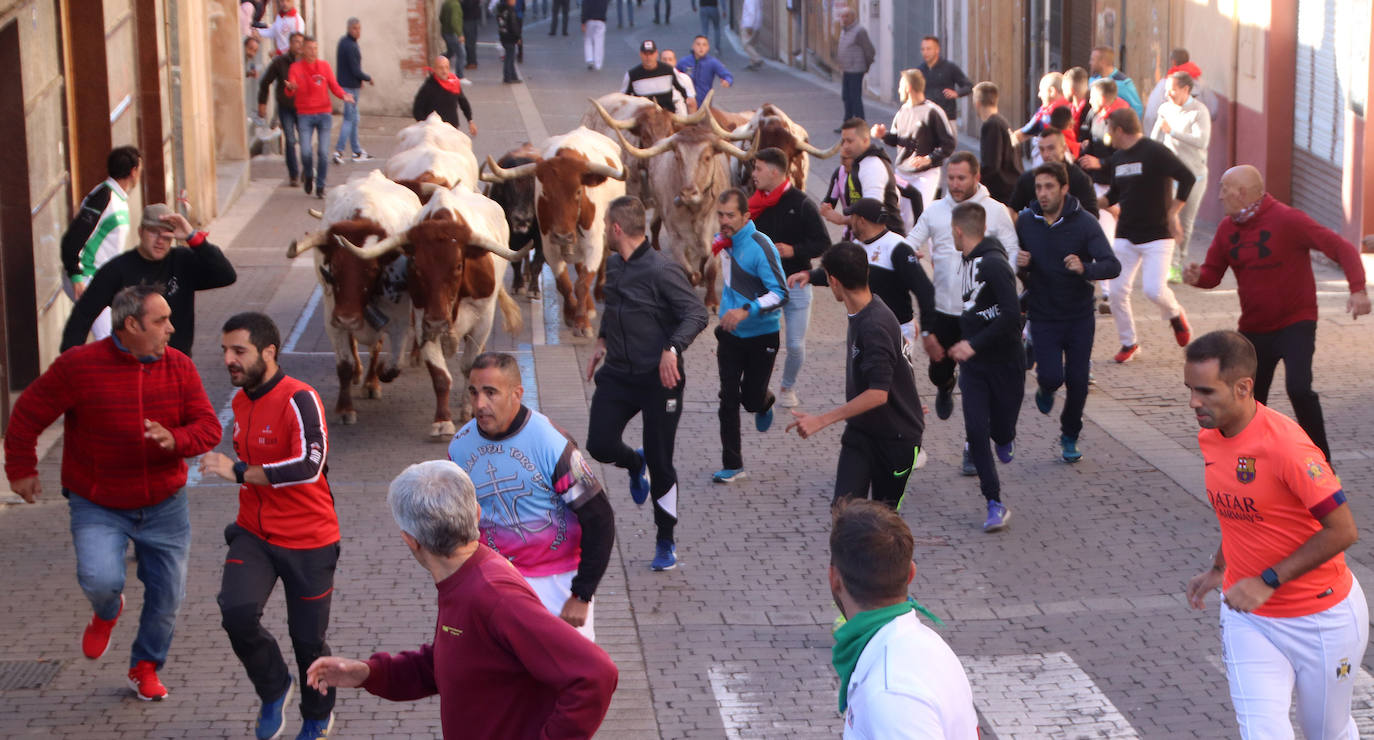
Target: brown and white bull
x=643 y=122
x=426 y=167
x=771 y=127
x=365 y=299
x=576 y=177
x=458 y=255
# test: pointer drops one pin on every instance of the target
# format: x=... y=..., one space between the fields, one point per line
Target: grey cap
x=152 y=216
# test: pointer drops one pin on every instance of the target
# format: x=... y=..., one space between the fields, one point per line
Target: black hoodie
x=991 y=321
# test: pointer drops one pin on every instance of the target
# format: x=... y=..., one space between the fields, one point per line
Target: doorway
x=18 y=300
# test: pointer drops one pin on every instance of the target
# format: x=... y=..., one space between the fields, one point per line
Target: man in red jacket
x=503 y=665
x=1268 y=245
x=286 y=527
x=309 y=83
x=134 y=408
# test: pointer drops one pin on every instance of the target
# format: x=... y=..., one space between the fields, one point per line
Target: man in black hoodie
x=991 y=361
x=1063 y=250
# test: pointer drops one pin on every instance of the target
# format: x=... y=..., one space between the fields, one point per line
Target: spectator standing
x=789 y=217
x=865 y=172
x=180 y=271
x=594 y=32
x=472 y=26
x=442 y=93
x=508 y=26
x=945 y=82
x=1102 y=64
x=1001 y=162
x=651 y=316
x=1268 y=245
x=1053 y=149
x=351 y=79
x=100 y=230
x=512 y=669
x=710 y=16
x=558 y=5
x=620 y=11
x=855 y=54
x=1185 y=127
x=1181 y=62
x=924 y=138
x=286 y=527
x=310 y=82
x=451 y=30
x=667 y=10
x=704 y=69
x=750 y=21
x=653 y=79
x=134 y=411
x=287 y=22
x=251 y=46
x=279 y=71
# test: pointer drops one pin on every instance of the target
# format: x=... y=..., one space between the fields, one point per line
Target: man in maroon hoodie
x=503 y=665
x=134 y=408
x=1268 y=245
x=309 y=83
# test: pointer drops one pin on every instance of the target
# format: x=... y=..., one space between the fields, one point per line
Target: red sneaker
x=143 y=680
x=1182 y=332
x=1127 y=353
x=96 y=639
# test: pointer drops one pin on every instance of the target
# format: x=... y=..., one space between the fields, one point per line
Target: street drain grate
x=17 y=675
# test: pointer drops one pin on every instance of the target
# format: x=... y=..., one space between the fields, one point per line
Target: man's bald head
x=1241 y=186
x=441 y=66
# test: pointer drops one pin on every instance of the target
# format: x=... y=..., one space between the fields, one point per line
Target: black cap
x=648 y=47
x=869 y=209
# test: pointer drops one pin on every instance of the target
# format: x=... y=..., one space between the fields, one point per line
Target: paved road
x=1071 y=623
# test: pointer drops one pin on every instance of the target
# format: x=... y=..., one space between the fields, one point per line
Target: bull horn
x=499 y=249
x=658 y=147
x=703 y=111
x=605 y=170
x=427 y=189
x=501 y=174
x=614 y=123
x=315 y=212
x=811 y=149
x=374 y=250
x=305 y=244
x=736 y=152
x=739 y=134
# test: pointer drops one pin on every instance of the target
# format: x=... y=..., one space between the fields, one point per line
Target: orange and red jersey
x=1270 y=486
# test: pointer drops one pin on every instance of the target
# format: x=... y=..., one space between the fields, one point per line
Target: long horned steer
x=643 y=122
x=516 y=198
x=458 y=256
x=771 y=127
x=431 y=155
x=365 y=299
x=576 y=177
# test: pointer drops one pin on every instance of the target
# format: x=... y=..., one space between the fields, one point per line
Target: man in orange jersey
x=1292 y=615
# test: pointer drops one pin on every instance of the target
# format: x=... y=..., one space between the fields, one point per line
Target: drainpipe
x=1234 y=107
x=180 y=202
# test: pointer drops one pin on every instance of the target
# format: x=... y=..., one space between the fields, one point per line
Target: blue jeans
x=315 y=125
x=348 y=130
x=289 y=126
x=619 y=16
x=457 y=55
x=508 y=73
x=852 y=93
x=711 y=17
x=796 y=316
x=162 y=540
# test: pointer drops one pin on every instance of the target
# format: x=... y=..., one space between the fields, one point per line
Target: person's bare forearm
x=866 y=401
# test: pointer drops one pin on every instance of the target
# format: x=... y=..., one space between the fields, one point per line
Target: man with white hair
x=502 y=665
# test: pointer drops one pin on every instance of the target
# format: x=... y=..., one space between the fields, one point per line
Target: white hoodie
x=909 y=684
x=933 y=228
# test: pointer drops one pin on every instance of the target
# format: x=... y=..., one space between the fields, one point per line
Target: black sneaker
x=967 y=467
x=944 y=402
x=308 y=182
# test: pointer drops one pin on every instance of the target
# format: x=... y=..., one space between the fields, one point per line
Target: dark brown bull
x=516 y=198
x=773 y=128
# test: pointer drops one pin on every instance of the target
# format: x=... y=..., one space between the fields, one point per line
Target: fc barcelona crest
x=1245 y=469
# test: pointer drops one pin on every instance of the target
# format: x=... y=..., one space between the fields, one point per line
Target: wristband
x=240 y=468
x=1270 y=578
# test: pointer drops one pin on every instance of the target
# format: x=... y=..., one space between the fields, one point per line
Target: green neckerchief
x=853 y=636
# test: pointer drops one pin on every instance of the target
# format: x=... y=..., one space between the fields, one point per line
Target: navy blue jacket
x=1053 y=291
x=350 y=64
x=594 y=10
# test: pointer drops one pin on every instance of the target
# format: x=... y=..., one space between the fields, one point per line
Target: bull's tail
x=510 y=311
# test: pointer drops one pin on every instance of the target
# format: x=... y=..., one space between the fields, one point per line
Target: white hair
x=436 y=503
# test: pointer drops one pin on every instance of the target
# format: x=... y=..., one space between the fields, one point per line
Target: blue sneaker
x=314 y=729
x=1007 y=452
x=968 y=468
x=1069 y=446
x=272 y=717
x=639 y=479
x=665 y=556
x=1044 y=400
x=729 y=476
x=998 y=516
x=764 y=420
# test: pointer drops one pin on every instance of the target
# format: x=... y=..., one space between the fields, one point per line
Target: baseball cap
x=648 y=47
x=869 y=209
x=152 y=216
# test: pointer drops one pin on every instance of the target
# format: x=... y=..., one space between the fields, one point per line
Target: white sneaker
x=363 y=157
x=338 y=157
x=787 y=398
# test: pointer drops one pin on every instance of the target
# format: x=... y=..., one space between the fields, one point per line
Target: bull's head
x=351 y=278
x=693 y=150
x=561 y=206
x=516 y=197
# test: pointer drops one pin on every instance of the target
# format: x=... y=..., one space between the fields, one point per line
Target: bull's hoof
x=534 y=293
x=372 y=391
x=442 y=429
x=591 y=313
x=583 y=331
x=712 y=309
x=389 y=374
x=349 y=417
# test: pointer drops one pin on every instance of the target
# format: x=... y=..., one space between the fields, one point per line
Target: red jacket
x=106 y=393
x=280 y=426
x=314 y=81
x=1271 y=256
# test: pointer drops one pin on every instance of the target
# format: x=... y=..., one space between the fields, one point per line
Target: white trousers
x=594 y=43
x=1151 y=259
x=1319 y=655
x=1108 y=223
x=927 y=183
x=554 y=591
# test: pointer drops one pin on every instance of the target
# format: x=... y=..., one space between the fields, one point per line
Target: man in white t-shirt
x=898 y=678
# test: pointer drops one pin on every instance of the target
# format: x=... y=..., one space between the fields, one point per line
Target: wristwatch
x=240 y=468
x=671 y=348
x=1270 y=578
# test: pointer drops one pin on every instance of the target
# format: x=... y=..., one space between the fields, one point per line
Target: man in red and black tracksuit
x=135 y=409
x=286 y=528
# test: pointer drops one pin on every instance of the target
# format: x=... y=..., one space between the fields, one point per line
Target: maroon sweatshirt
x=503 y=666
x=1271 y=256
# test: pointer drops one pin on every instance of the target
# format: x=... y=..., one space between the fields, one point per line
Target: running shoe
x=338 y=157
x=363 y=157
x=1105 y=307
x=998 y=516
x=96 y=639
x=1127 y=353
x=729 y=476
x=1175 y=275
x=308 y=183
x=665 y=556
x=272 y=716
x=1069 y=447
x=314 y=729
x=639 y=479
x=763 y=420
x=1029 y=349
x=1006 y=452
x=1183 y=333
x=1044 y=400
x=968 y=467
x=944 y=401
x=787 y=398
x=143 y=680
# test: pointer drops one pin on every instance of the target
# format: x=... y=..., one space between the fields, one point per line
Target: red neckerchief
x=453 y=84
x=288 y=13
x=1111 y=107
x=1193 y=70
x=761 y=201
x=719 y=243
